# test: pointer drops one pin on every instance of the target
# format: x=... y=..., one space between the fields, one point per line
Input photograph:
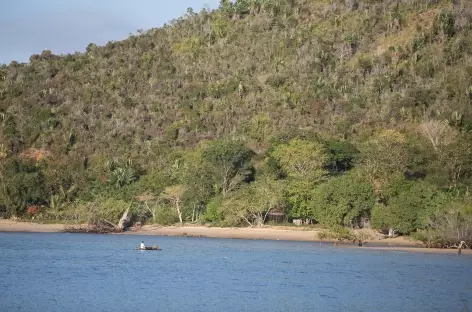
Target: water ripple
x=76 y=272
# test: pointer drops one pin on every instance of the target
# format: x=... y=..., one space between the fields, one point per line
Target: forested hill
x=332 y=111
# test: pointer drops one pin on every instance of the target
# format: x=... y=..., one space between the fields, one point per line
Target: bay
x=86 y=272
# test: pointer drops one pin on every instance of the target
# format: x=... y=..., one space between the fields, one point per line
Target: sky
x=66 y=26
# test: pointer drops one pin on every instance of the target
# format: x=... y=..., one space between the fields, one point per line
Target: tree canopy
x=316 y=107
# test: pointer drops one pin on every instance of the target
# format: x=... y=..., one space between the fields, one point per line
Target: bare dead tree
x=459 y=248
x=439 y=133
x=454 y=229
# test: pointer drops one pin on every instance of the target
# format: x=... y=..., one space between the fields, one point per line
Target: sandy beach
x=16 y=226
x=269 y=233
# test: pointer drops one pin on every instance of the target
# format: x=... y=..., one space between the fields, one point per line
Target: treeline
x=343 y=113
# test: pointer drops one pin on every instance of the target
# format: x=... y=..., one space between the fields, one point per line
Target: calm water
x=83 y=272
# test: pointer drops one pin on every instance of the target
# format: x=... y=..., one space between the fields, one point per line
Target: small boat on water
x=149 y=248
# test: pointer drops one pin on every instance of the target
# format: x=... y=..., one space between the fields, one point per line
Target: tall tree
x=230 y=164
x=304 y=164
x=173 y=194
x=254 y=202
x=384 y=156
x=408 y=207
x=301 y=159
x=343 y=201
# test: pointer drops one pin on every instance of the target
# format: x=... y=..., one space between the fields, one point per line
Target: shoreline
x=266 y=233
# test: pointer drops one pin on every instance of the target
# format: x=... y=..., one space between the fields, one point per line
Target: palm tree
x=123 y=176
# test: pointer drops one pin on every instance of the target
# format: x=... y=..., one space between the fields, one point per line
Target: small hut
x=276 y=216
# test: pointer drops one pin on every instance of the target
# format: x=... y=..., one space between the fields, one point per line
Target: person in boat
x=142 y=245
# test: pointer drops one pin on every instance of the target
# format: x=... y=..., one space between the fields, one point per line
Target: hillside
x=331 y=111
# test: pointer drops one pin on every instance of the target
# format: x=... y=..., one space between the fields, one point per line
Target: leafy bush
x=323 y=234
x=341 y=234
x=166 y=216
x=342 y=201
x=409 y=205
x=430 y=238
x=213 y=211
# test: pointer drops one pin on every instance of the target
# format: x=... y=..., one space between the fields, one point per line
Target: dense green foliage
x=343 y=201
x=326 y=110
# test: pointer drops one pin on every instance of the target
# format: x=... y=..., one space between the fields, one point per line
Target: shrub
x=166 y=216
x=213 y=212
x=430 y=238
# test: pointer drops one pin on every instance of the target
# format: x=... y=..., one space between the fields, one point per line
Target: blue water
x=84 y=272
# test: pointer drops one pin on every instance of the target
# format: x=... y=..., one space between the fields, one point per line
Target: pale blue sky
x=65 y=26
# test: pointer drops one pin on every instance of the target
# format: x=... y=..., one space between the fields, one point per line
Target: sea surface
x=86 y=272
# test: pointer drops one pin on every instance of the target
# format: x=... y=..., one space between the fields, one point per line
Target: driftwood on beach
x=91 y=228
x=102 y=226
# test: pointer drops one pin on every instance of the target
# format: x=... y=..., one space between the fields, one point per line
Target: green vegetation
x=333 y=112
